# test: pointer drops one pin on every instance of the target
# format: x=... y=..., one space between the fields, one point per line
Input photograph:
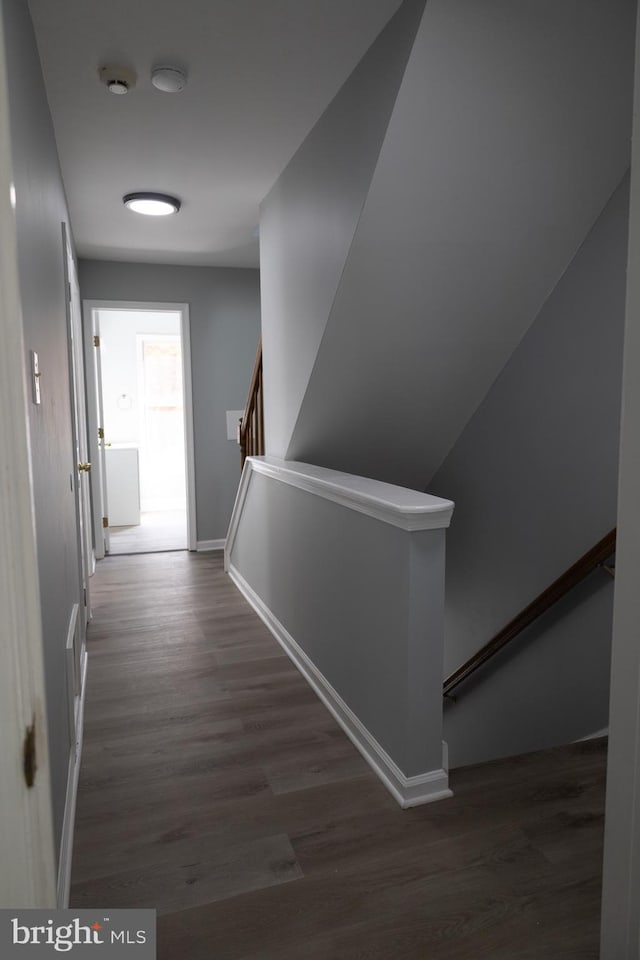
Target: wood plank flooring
x=158 y=530
x=216 y=788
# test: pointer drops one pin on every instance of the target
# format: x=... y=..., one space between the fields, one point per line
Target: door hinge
x=29 y=755
x=100 y=433
x=96 y=341
x=84 y=595
x=69 y=291
x=105 y=522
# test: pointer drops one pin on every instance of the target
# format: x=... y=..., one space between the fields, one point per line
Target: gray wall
x=534 y=479
x=620 y=926
x=40 y=211
x=364 y=601
x=308 y=220
x=508 y=135
x=224 y=310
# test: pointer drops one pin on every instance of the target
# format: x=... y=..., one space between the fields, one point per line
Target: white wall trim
x=204 y=545
x=73 y=669
x=236 y=513
x=73 y=625
x=399 y=506
x=192 y=529
x=93 y=420
x=407 y=791
x=75 y=754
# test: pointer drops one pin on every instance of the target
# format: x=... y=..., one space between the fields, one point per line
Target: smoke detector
x=117 y=79
x=169 y=79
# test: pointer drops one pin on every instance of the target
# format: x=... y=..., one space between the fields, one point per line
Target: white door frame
x=79 y=427
x=28 y=875
x=90 y=307
x=95 y=417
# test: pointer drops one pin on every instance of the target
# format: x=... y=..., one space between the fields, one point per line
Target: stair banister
x=251 y=431
x=595 y=557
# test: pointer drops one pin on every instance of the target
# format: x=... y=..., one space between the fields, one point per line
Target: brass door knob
x=84 y=466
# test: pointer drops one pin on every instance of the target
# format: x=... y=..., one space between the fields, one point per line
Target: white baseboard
x=204 y=545
x=73 y=671
x=408 y=791
x=66 y=843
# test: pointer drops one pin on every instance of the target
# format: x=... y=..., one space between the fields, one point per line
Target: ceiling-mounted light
x=152 y=204
x=168 y=79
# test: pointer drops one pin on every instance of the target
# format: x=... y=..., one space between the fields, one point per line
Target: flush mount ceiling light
x=169 y=79
x=152 y=204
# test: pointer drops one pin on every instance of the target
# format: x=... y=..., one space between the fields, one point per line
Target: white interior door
x=27 y=866
x=83 y=464
x=102 y=441
x=97 y=439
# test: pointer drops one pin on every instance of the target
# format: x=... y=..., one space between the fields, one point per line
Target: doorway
x=142 y=427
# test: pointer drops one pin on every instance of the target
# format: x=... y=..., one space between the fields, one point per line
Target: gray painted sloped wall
x=534 y=480
x=40 y=211
x=224 y=311
x=307 y=221
x=620 y=914
x=508 y=135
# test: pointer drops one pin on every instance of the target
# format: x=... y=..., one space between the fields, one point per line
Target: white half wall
x=350 y=581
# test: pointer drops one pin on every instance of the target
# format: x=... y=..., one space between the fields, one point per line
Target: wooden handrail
x=251 y=432
x=570 y=578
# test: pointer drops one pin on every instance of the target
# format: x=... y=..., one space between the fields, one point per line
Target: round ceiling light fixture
x=151 y=204
x=168 y=79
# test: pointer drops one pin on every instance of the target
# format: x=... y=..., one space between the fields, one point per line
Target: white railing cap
x=399 y=506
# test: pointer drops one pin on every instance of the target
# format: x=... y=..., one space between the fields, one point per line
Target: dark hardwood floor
x=216 y=788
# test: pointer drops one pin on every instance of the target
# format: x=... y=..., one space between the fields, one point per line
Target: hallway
x=216 y=788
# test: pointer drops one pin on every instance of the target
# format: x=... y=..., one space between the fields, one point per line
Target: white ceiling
x=261 y=72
